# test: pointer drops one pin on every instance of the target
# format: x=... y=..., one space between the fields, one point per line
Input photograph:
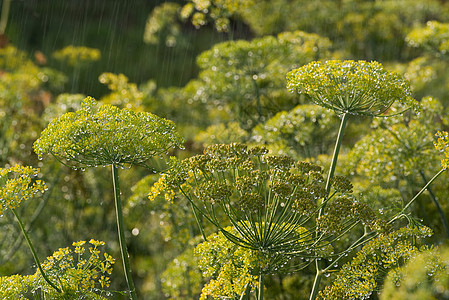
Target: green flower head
x=354 y=87
x=16 y=185
x=269 y=200
x=103 y=135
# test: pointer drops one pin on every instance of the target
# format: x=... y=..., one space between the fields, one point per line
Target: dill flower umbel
x=16 y=185
x=354 y=87
x=268 y=199
x=78 y=271
x=104 y=134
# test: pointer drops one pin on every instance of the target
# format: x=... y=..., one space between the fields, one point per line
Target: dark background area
x=116 y=28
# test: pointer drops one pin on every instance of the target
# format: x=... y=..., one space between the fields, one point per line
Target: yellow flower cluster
x=229 y=266
x=268 y=199
x=73 y=55
x=17 y=185
x=358 y=278
x=77 y=273
x=354 y=87
x=103 y=135
x=219 y=11
x=124 y=93
x=434 y=36
x=442 y=144
x=15 y=286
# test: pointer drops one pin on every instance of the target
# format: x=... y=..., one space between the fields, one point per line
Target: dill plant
x=441 y=144
x=398 y=153
x=361 y=276
x=247 y=77
x=299 y=132
x=68 y=273
x=434 y=37
x=281 y=209
x=161 y=25
x=234 y=267
x=123 y=93
x=218 y=12
x=80 y=272
x=348 y=88
x=424 y=276
x=103 y=135
x=17 y=186
x=23 y=90
x=427 y=73
x=265 y=204
x=392 y=258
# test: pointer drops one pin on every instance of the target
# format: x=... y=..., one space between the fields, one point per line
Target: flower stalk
x=344 y=119
x=261 y=285
x=121 y=233
x=36 y=258
x=417 y=195
x=437 y=205
x=318 y=263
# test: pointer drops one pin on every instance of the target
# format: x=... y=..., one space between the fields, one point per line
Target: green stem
x=245 y=293
x=36 y=259
x=318 y=263
x=437 y=204
x=34 y=217
x=422 y=190
x=198 y=222
x=316 y=282
x=344 y=119
x=4 y=18
x=259 y=105
x=121 y=233
x=261 y=284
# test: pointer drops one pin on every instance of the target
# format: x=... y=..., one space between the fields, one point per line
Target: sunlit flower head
x=17 y=185
x=104 y=134
x=81 y=270
x=354 y=87
x=74 y=55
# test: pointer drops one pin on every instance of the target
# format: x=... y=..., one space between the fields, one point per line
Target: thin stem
x=198 y=222
x=245 y=293
x=121 y=232
x=344 y=119
x=318 y=263
x=36 y=259
x=422 y=190
x=437 y=204
x=259 y=105
x=34 y=217
x=261 y=284
x=316 y=282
